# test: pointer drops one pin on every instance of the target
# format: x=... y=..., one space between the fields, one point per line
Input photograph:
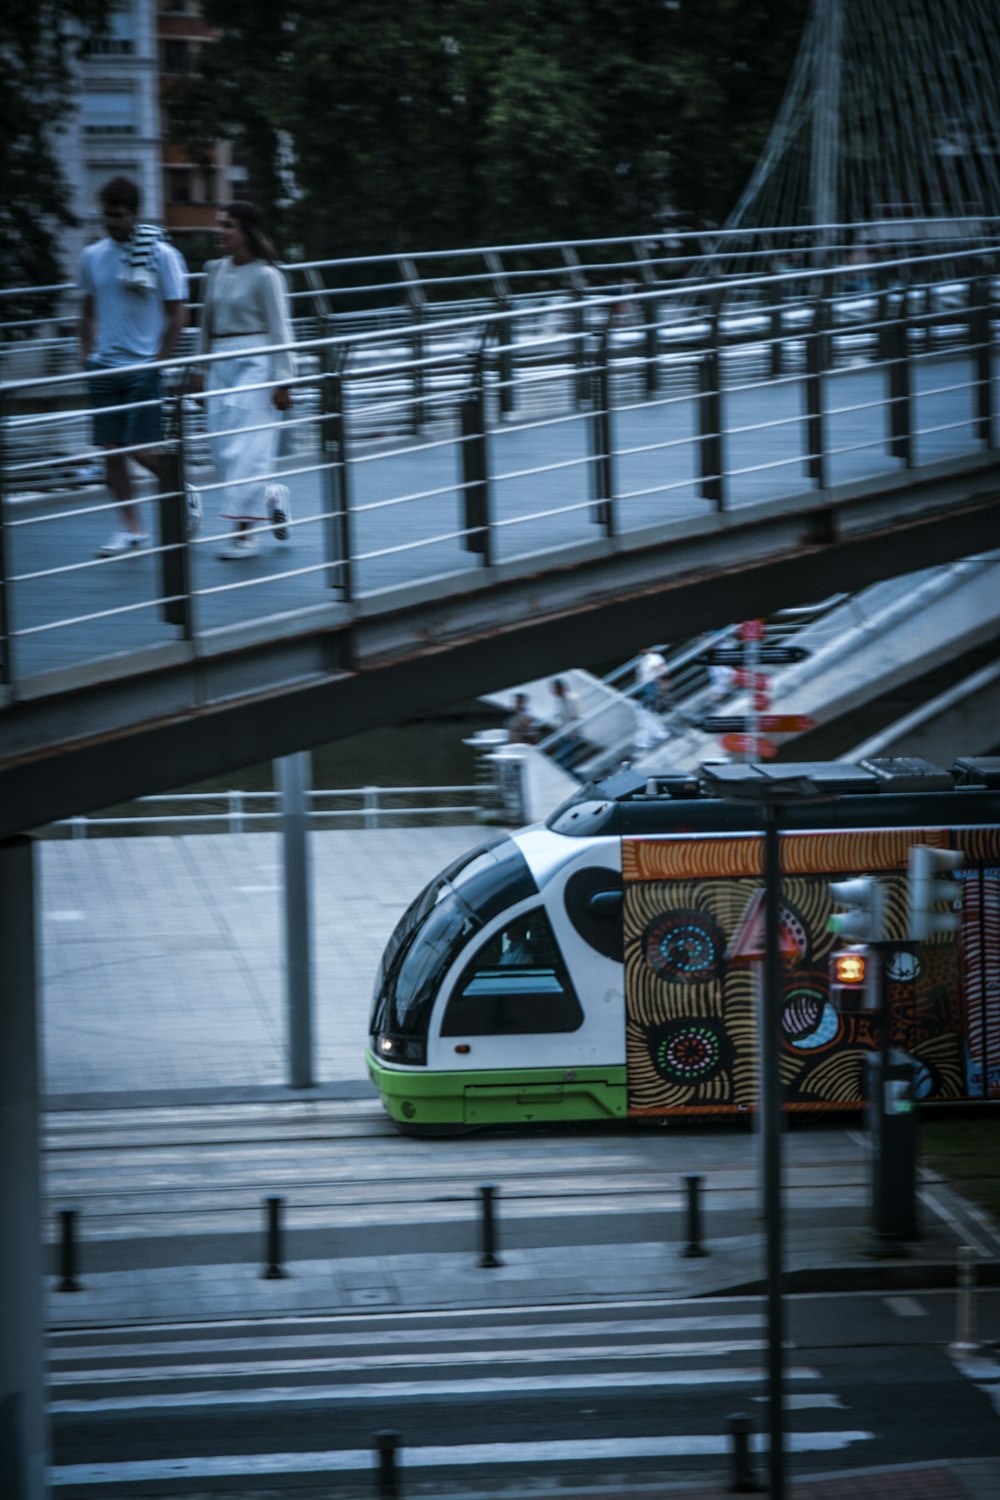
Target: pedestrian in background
x=245 y=306
x=651 y=680
x=522 y=727
x=569 y=746
x=133 y=310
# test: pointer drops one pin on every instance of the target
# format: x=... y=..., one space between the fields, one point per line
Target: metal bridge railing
x=495 y=439
x=239 y=811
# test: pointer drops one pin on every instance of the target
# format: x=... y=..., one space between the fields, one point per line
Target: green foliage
x=370 y=128
x=37 y=42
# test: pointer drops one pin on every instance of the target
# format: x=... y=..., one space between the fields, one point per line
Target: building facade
x=121 y=127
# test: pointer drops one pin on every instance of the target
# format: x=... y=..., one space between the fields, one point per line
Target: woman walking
x=246 y=305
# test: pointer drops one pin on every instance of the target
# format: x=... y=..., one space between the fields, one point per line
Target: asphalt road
x=525 y=1397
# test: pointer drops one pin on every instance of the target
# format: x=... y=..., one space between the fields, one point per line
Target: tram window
x=515 y=985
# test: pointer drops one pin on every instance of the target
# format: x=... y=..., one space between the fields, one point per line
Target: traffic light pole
x=770 y=1082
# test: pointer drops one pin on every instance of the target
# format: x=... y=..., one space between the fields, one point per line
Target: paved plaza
x=162 y=958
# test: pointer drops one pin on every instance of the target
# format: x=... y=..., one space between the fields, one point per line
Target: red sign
x=749 y=744
x=751 y=630
x=786 y=723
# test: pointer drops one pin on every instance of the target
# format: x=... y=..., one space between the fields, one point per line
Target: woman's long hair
x=247 y=216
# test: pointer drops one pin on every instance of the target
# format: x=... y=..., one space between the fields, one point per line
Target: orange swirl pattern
x=710 y=857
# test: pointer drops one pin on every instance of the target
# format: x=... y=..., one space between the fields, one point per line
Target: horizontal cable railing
x=240 y=811
x=451 y=444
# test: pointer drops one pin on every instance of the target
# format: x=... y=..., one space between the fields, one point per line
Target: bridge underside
x=193 y=710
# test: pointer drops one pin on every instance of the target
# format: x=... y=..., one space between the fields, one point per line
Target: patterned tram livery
x=693 y=917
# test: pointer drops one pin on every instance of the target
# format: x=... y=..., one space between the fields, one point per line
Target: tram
x=604 y=964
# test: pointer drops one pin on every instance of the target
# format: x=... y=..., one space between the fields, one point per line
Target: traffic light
x=862 y=922
x=926 y=891
x=853 y=979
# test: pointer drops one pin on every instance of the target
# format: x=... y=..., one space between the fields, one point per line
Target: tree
x=437 y=123
x=37 y=43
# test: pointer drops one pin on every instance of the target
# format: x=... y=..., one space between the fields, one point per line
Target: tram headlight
x=402 y=1049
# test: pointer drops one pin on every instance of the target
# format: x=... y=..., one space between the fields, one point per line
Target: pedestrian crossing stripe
x=346 y=1364
x=617 y=1328
x=430 y=1389
x=346 y=1460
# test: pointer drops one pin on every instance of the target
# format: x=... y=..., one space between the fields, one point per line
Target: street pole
x=293 y=781
x=770 y=1080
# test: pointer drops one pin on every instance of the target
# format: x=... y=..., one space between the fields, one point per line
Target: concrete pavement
x=162 y=958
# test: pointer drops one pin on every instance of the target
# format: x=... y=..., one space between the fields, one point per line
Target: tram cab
x=601 y=965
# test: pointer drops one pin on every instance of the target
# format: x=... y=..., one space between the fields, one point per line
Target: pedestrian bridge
x=487 y=490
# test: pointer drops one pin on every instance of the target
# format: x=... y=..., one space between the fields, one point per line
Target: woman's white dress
x=245 y=307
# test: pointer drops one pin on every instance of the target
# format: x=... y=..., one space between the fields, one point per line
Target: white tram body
x=604 y=964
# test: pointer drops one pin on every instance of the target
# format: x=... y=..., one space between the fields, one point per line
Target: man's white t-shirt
x=129 y=323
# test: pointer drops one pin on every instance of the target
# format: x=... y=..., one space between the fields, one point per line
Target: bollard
x=273 y=1270
x=67 y=1251
x=694 y=1245
x=965 y=1280
x=386 y=1445
x=744 y=1479
x=489 y=1256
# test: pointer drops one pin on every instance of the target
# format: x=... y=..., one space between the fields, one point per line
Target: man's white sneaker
x=239 y=546
x=123 y=541
x=280 y=508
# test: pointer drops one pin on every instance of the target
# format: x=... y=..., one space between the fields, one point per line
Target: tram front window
x=516 y=985
x=436 y=926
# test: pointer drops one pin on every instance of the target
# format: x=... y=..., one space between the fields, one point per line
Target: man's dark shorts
x=137 y=426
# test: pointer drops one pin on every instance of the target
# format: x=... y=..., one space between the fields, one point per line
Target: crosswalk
x=983 y=1369
x=561 y=1389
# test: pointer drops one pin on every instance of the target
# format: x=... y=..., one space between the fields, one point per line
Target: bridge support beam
x=23 y=1432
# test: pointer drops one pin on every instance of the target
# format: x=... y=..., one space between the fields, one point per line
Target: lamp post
x=771 y=789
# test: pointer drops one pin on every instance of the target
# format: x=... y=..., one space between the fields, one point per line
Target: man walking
x=134 y=307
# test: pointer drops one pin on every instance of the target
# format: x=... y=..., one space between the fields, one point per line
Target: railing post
x=175 y=577
x=711 y=448
x=694 y=1247
x=371 y=807
x=417 y=300
x=387 y=1447
x=489 y=1258
x=334 y=453
x=505 y=348
x=650 y=321
x=901 y=386
x=274 y=1269
x=78 y=826
x=776 y=332
x=599 y=423
x=478 y=536
x=744 y=1479
x=981 y=340
x=234 y=820
x=6 y=643
x=965 y=1281
x=578 y=286
x=815 y=419
x=67 y=1251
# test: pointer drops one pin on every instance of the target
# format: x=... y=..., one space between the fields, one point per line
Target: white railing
x=243 y=811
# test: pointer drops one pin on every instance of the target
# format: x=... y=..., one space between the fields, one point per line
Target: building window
x=108 y=111
x=108 y=46
x=179 y=184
